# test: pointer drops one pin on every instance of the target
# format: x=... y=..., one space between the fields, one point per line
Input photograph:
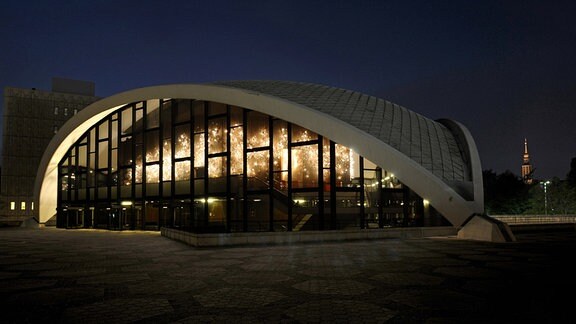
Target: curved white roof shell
x=436 y=159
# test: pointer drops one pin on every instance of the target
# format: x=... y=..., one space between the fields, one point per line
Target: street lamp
x=545 y=184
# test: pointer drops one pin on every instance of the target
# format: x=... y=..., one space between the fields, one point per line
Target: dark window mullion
x=228 y=188
x=362 y=214
x=271 y=173
x=290 y=201
x=333 y=215
x=320 y=183
x=244 y=170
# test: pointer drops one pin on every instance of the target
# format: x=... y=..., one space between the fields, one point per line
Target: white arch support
x=441 y=196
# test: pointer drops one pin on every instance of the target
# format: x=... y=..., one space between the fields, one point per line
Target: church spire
x=526 y=165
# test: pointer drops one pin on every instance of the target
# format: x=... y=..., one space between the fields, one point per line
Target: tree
x=559 y=198
x=505 y=193
x=571 y=176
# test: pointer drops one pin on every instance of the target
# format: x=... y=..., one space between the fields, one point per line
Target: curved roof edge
x=448 y=201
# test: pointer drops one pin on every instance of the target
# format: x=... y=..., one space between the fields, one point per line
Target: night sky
x=505 y=69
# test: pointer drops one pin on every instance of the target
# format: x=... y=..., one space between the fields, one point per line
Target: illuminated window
x=75 y=111
x=55 y=129
x=65 y=111
x=32 y=206
x=23 y=205
x=12 y=205
x=56 y=110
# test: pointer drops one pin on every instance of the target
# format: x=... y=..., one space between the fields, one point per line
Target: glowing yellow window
x=12 y=205
x=23 y=205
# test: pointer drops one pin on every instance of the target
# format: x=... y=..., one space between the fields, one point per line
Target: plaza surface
x=91 y=276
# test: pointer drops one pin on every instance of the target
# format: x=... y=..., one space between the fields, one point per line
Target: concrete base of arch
x=481 y=227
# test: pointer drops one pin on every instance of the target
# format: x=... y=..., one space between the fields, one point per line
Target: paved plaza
x=90 y=276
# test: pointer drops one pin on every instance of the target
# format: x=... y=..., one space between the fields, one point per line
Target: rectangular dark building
x=31 y=118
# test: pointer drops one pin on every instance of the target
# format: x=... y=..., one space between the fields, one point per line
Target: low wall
x=535 y=219
x=273 y=238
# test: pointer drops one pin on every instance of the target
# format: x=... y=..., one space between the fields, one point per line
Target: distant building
x=31 y=118
x=527 y=171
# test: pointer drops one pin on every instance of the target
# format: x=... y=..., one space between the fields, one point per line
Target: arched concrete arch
x=456 y=208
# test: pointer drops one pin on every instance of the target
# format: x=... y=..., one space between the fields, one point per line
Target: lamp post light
x=545 y=184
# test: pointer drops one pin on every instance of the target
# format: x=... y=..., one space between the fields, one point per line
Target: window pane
x=258 y=213
x=182 y=143
x=152 y=147
x=217 y=135
x=344 y=164
x=127 y=121
x=236 y=150
x=199 y=151
x=93 y=140
x=182 y=170
x=217 y=167
x=126 y=151
x=114 y=134
x=236 y=114
x=305 y=166
x=126 y=177
x=300 y=134
x=152 y=173
x=103 y=155
x=167 y=118
x=198 y=107
x=280 y=145
x=103 y=130
x=152 y=113
x=82 y=155
x=137 y=124
x=354 y=164
x=258 y=135
x=167 y=160
x=257 y=170
x=114 y=159
x=182 y=113
x=216 y=108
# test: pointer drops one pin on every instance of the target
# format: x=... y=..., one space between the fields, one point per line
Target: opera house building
x=260 y=156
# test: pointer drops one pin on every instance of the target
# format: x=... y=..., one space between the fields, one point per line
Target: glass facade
x=209 y=167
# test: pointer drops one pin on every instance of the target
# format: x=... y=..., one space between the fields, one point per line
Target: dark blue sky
x=505 y=69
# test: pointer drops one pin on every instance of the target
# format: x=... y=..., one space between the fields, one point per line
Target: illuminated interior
x=210 y=167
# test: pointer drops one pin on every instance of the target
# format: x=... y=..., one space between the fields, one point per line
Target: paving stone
x=39 y=266
x=166 y=286
x=118 y=310
x=333 y=287
x=9 y=275
x=469 y=272
x=267 y=267
x=407 y=279
x=72 y=272
x=256 y=278
x=194 y=272
x=20 y=284
x=242 y=319
x=239 y=297
x=330 y=272
x=338 y=311
x=114 y=278
x=14 y=260
x=55 y=296
x=106 y=276
x=438 y=299
x=217 y=263
x=150 y=267
x=445 y=261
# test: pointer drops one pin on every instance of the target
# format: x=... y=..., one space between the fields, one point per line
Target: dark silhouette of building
x=31 y=118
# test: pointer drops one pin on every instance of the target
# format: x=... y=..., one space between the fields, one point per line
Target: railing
x=535 y=219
